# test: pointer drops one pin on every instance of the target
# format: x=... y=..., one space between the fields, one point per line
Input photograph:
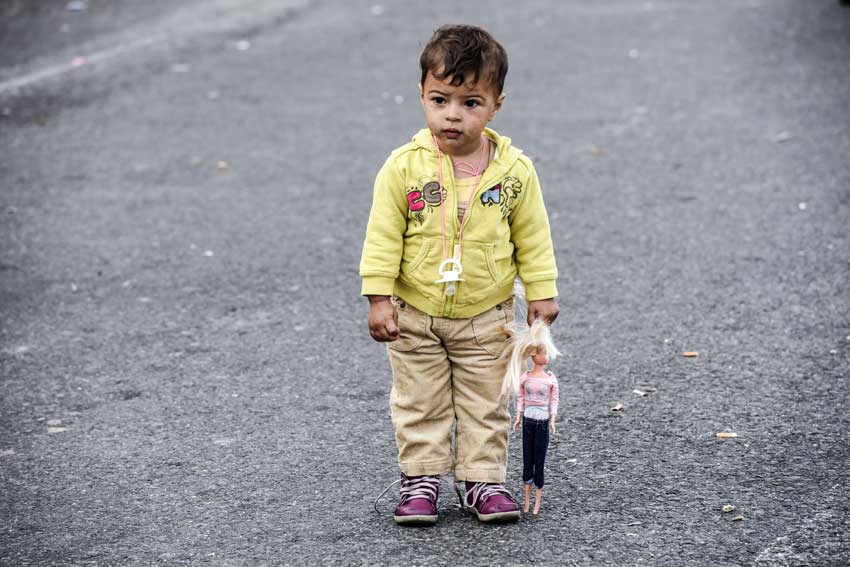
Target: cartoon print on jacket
x=425 y=200
x=503 y=194
x=420 y=201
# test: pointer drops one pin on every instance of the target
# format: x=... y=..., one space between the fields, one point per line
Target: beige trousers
x=445 y=372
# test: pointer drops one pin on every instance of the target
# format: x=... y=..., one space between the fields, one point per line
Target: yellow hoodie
x=506 y=232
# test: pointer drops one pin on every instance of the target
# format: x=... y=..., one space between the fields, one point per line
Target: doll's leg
x=526 y=502
x=541 y=446
x=421 y=397
x=527 y=450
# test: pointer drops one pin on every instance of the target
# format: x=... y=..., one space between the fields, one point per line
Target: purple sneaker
x=491 y=502
x=418 y=504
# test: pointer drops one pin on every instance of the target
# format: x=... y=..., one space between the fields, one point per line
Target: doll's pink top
x=538 y=392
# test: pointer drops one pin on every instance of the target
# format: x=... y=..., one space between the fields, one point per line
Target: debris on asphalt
x=618 y=407
x=728 y=508
x=690 y=354
x=54 y=422
x=52 y=430
x=76 y=6
x=209 y=253
x=640 y=393
x=726 y=435
x=782 y=137
x=738 y=519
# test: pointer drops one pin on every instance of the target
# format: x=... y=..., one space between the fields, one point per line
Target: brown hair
x=461 y=50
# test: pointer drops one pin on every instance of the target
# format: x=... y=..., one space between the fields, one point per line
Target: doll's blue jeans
x=535 y=441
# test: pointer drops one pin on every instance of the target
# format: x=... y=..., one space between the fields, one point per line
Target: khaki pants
x=446 y=370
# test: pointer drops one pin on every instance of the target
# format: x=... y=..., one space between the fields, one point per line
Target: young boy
x=457 y=215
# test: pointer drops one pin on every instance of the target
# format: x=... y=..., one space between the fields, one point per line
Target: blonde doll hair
x=524 y=343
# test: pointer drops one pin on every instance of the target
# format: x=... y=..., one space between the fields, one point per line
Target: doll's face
x=540 y=357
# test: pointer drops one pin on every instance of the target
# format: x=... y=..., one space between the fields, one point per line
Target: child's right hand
x=383 y=319
x=516 y=422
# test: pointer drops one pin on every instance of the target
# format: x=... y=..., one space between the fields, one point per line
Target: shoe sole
x=497 y=517
x=415 y=520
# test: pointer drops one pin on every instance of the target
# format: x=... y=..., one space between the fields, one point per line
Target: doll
x=536 y=393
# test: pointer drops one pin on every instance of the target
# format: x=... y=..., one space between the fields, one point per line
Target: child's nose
x=454 y=112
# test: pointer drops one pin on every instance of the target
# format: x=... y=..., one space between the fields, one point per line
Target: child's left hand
x=546 y=309
x=552 y=424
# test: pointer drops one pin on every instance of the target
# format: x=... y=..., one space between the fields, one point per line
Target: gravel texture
x=187 y=378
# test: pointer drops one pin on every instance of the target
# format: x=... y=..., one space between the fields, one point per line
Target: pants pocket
x=411 y=327
x=489 y=327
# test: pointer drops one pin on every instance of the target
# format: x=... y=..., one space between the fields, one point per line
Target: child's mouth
x=452 y=134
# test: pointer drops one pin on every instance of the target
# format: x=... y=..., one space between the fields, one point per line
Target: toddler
x=457 y=215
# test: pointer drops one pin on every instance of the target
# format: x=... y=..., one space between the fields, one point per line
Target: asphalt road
x=187 y=378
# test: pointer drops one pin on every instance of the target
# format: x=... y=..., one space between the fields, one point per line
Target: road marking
x=76 y=63
x=208 y=17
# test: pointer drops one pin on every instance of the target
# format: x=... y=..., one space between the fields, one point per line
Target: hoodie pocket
x=479 y=272
x=422 y=269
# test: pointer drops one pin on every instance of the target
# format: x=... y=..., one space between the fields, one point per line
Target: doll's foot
x=491 y=502
x=418 y=502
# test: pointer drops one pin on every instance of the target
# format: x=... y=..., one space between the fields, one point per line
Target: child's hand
x=383 y=319
x=546 y=309
x=552 y=424
x=516 y=422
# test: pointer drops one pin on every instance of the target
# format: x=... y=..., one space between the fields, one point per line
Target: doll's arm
x=520 y=396
x=554 y=397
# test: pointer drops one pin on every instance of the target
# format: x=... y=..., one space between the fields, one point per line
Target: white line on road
x=204 y=17
x=62 y=68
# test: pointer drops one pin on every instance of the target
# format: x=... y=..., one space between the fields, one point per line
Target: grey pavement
x=187 y=378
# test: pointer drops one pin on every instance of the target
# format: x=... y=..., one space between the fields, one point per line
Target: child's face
x=457 y=115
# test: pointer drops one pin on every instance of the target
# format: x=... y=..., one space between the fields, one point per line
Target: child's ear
x=421 y=92
x=496 y=107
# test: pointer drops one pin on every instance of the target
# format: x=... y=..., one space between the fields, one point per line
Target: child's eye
x=439 y=100
x=472 y=104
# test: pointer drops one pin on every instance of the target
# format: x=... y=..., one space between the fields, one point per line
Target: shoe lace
x=484 y=490
x=412 y=488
